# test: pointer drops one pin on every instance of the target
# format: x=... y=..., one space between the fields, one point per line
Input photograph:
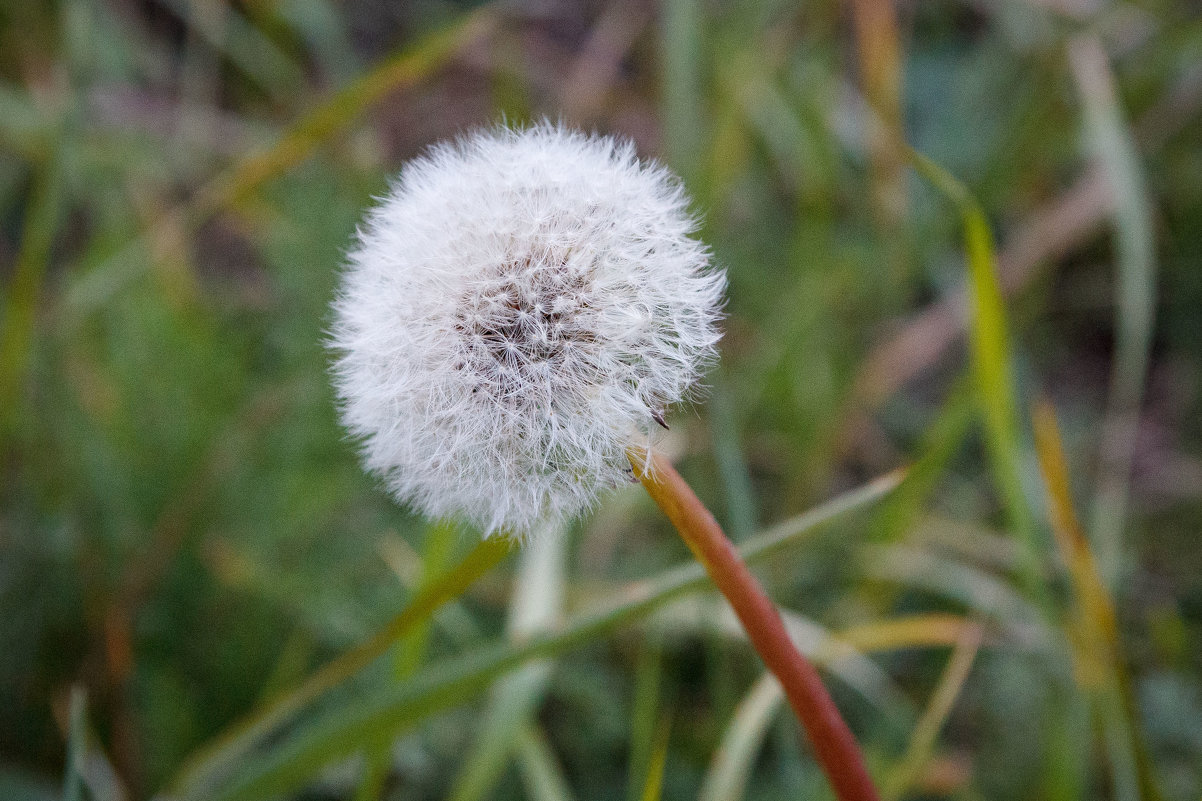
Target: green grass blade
x=1095 y=634
x=541 y=772
x=647 y=679
x=1135 y=303
x=990 y=349
x=77 y=745
x=940 y=441
x=536 y=607
x=319 y=126
x=681 y=33
x=979 y=590
x=246 y=47
x=437 y=551
x=731 y=766
x=726 y=779
x=653 y=787
x=209 y=764
x=344 y=731
x=739 y=491
x=376 y=762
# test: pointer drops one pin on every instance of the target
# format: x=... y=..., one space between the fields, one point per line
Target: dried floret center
x=527 y=325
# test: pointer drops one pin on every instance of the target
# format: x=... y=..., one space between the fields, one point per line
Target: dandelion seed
x=520 y=308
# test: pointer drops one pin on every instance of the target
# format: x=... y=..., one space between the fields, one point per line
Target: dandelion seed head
x=515 y=313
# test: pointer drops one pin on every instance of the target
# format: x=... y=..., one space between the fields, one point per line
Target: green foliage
x=188 y=542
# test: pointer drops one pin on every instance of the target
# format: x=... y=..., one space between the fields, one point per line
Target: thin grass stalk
x=834 y=745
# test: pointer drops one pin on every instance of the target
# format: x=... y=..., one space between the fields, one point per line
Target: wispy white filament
x=519 y=308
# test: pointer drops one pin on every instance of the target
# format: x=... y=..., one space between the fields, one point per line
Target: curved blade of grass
x=207 y=765
x=536 y=607
x=926 y=731
x=452 y=620
x=653 y=787
x=410 y=652
x=93 y=290
x=940 y=441
x=979 y=590
x=346 y=730
x=543 y=776
x=299 y=142
x=24 y=290
x=647 y=679
x=726 y=779
x=1135 y=303
x=695 y=617
x=731 y=766
x=77 y=745
x=43 y=213
x=1102 y=670
x=990 y=348
x=254 y=53
x=437 y=552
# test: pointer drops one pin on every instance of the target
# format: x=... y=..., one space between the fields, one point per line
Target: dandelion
x=518 y=314
x=520 y=308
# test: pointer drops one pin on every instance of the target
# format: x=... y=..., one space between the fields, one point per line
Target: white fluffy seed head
x=519 y=309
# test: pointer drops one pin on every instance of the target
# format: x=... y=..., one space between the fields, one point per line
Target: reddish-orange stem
x=832 y=741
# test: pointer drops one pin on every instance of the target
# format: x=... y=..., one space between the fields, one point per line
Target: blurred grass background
x=185 y=532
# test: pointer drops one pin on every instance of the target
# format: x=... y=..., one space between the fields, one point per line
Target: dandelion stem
x=832 y=741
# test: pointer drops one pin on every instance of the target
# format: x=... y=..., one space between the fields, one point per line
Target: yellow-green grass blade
x=979 y=590
x=653 y=787
x=648 y=677
x=991 y=366
x=730 y=768
x=250 y=50
x=44 y=209
x=699 y=617
x=1100 y=668
x=926 y=732
x=941 y=439
x=437 y=551
x=342 y=110
x=395 y=708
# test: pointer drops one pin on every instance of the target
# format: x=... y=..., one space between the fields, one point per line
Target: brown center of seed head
x=526 y=328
